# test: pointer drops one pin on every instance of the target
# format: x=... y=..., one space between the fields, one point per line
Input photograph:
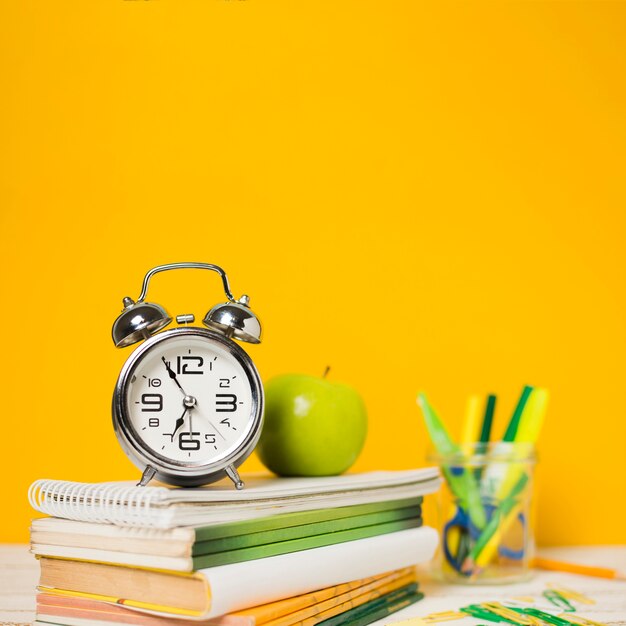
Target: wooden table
x=19 y=573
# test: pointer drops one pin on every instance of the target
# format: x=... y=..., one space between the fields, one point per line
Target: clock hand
x=170 y=371
x=215 y=429
x=179 y=422
x=212 y=425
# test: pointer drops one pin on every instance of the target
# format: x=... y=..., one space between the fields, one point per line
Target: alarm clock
x=188 y=403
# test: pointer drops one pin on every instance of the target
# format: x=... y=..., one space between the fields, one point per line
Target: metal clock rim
x=183 y=473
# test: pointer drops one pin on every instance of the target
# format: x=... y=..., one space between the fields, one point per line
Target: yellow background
x=421 y=195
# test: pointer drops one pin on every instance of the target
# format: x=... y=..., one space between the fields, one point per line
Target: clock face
x=189 y=400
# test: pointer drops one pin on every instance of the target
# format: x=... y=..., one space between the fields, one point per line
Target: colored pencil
x=573 y=568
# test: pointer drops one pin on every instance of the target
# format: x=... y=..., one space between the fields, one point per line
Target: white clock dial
x=189 y=401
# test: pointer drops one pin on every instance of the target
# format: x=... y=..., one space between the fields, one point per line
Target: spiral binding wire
x=110 y=503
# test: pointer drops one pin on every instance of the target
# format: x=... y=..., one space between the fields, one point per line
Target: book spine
x=101 y=503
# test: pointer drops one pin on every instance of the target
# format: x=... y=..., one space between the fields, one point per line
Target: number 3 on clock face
x=189 y=400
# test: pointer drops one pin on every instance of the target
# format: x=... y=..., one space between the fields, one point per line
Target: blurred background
x=420 y=195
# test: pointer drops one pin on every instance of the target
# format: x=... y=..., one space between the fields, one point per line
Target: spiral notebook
x=122 y=503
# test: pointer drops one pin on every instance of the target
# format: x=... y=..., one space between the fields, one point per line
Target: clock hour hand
x=170 y=371
x=179 y=422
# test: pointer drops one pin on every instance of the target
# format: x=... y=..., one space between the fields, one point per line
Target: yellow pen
x=469 y=434
x=527 y=433
x=532 y=418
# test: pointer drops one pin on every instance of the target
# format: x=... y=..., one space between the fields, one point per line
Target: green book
x=251 y=539
x=285 y=520
x=304 y=543
x=190 y=548
x=378 y=608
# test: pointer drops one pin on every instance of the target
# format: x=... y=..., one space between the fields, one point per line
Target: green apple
x=313 y=426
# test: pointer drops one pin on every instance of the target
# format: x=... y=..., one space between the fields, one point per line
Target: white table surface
x=610 y=595
x=19 y=573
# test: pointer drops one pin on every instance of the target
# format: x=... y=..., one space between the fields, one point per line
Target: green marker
x=511 y=429
x=485 y=431
x=463 y=484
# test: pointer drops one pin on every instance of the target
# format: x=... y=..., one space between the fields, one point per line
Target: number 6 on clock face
x=189 y=401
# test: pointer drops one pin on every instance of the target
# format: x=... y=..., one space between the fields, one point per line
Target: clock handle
x=181 y=266
x=139 y=320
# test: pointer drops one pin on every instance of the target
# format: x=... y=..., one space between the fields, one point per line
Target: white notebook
x=266 y=580
x=123 y=503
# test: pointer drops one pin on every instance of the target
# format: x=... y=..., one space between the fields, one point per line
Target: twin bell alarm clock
x=188 y=403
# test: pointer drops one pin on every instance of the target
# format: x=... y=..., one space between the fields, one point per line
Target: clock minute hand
x=170 y=371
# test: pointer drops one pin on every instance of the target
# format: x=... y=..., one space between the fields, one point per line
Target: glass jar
x=486 y=514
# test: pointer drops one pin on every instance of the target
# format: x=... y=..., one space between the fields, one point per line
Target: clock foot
x=232 y=473
x=147 y=476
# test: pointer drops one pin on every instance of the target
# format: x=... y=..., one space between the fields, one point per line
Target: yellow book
x=306 y=608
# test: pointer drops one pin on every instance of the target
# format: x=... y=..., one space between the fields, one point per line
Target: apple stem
x=326 y=371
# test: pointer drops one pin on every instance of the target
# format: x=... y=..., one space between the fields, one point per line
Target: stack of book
x=332 y=550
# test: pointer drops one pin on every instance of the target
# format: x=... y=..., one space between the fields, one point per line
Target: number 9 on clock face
x=189 y=401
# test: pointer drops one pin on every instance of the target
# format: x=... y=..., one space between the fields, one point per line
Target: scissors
x=459 y=534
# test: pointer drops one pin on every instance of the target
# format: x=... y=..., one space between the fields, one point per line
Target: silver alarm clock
x=188 y=403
